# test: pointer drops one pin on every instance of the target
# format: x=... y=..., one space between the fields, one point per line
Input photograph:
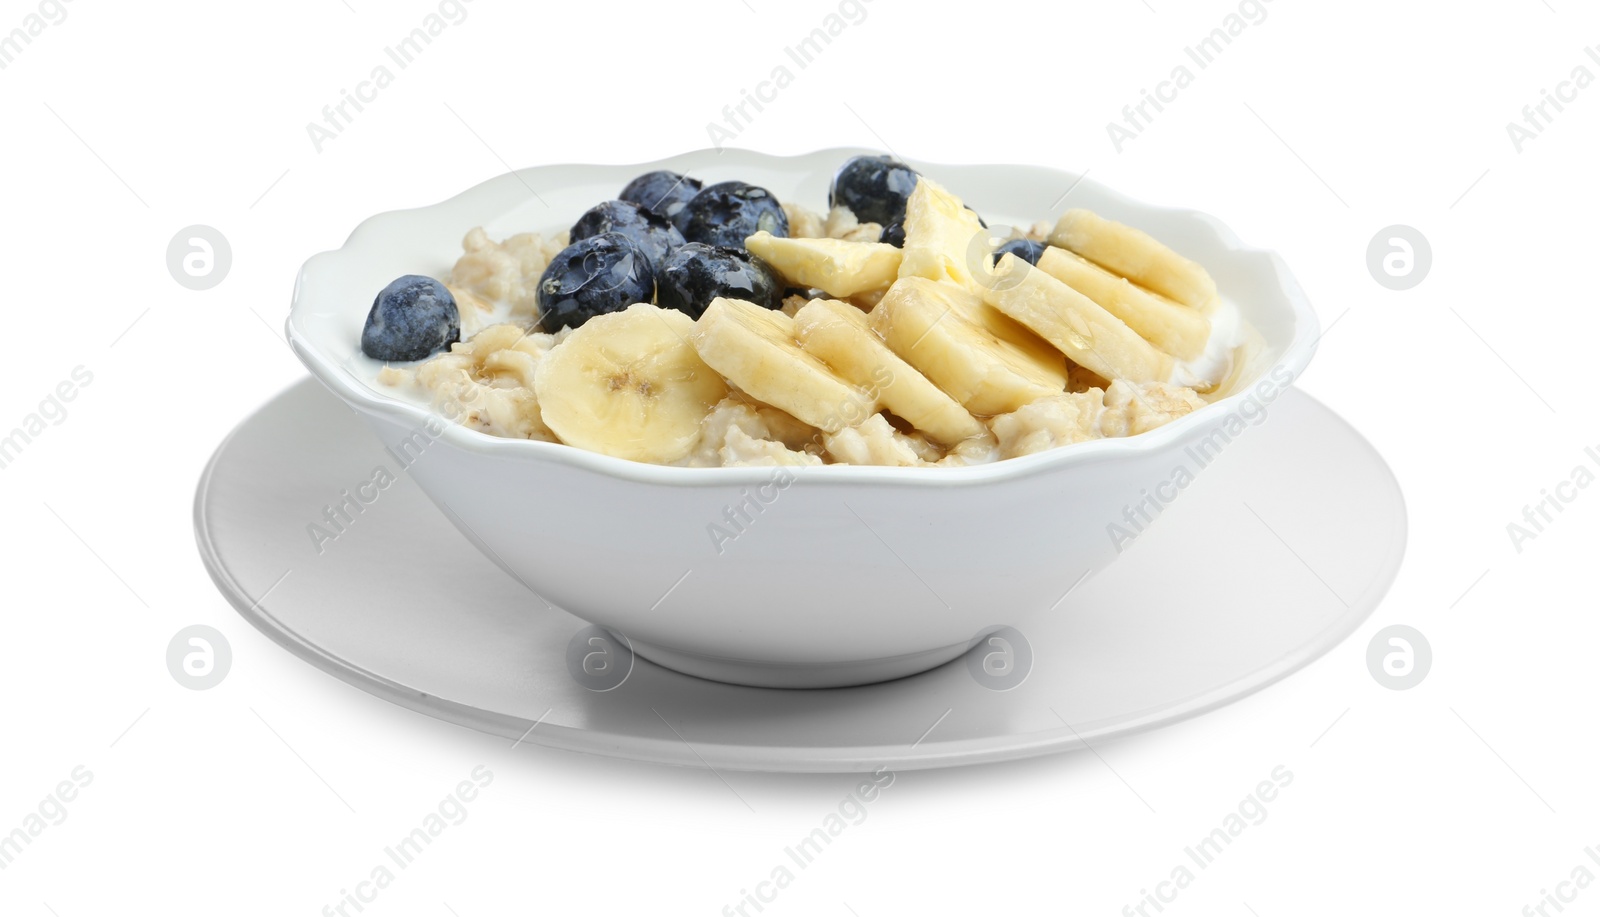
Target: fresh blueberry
x=593 y=276
x=895 y=233
x=412 y=317
x=698 y=273
x=726 y=213
x=1026 y=249
x=875 y=188
x=664 y=192
x=647 y=229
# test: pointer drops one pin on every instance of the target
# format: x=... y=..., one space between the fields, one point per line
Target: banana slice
x=840 y=334
x=756 y=349
x=1036 y=350
x=944 y=240
x=1171 y=327
x=1134 y=255
x=834 y=266
x=1088 y=335
x=629 y=384
x=924 y=322
x=1092 y=337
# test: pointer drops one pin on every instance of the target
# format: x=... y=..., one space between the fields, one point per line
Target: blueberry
x=875 y=188
x=1026 y=249
x=664 y=192
x=650 y=231
x=895 y=233
x=593 y=276
x=698 y=273
x=412 y=317
x=726 y=213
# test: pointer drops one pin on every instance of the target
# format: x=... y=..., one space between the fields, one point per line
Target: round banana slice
x=629 y=384
x=834 y=266
x=756 y=349
x=939 y=236
x=923 y=322
x=1135 y=255
x=839 y=334
x=1077 y=325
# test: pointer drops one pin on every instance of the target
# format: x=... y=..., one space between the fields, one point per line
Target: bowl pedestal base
x=768 y=675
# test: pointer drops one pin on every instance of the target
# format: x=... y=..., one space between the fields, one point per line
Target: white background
x=1317 y=127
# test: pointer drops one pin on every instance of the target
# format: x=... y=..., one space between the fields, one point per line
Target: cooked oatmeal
x=930 y=346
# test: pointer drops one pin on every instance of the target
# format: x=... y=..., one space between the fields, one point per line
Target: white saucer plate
x=1264 y=563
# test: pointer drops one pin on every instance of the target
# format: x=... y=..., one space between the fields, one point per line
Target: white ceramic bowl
x=846 y=575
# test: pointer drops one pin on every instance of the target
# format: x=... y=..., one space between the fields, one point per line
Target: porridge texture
x=505 y=273
x=916 y=339
x=486 y=382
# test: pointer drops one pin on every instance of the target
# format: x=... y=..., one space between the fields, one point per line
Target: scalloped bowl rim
x=1294 y=357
